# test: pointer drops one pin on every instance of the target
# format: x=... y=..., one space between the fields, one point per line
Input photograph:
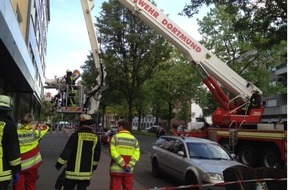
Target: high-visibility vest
x=9 y=148
x=29 y=137
x=125 y=151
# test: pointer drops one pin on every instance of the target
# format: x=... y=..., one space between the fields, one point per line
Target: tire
x=155 y=168
x=271 y=157
x=190 y=179
x=248 y=155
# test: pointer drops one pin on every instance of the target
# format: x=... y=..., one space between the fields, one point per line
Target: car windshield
x=207 y=151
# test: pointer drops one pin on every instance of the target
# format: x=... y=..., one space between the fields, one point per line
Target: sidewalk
x=101 y=177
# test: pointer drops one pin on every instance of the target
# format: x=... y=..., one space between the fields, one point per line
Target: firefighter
x=10 y=161
x=125 y=152
x=81 y=155
x=70 y=82
x=29 y=136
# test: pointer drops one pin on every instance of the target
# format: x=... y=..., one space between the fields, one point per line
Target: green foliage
x=268 y=18
x=131 y=52
x=90 y=73
x=175 y=82
x=236 y=49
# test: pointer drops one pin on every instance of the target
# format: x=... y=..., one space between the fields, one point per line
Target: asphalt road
x=53 y=143
x=50 y=146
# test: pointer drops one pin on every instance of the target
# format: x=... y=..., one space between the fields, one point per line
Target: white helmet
x=6 y=103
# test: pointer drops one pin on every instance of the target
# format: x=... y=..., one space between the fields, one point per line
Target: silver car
x=191 y=160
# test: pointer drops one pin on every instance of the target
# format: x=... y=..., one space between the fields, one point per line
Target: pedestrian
x=81 y=155
x=160 y=132
x=125 y=152
x=109 y=135
x=29 y=135
x=9 y=149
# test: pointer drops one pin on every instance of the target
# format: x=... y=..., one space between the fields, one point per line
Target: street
x=53 y=143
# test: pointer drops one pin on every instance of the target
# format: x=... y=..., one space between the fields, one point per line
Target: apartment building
x=23 y=43
x=276 y=105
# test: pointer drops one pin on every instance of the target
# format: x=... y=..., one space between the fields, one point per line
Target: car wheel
x=270 y=157
x=249 y=155
x=190 y=179
x=155 y=168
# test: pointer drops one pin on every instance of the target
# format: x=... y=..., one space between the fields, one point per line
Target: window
x=271 y=103
x=19 y=17
x=178 y=146
x=159 y=142
x=169 y=145
x=18 y=14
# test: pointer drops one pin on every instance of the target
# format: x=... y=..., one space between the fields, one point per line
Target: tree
x=174 y=83
x=132 y=50
x=265 y=18
x=236 y=49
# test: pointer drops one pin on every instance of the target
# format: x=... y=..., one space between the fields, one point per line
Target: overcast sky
x=68 y=43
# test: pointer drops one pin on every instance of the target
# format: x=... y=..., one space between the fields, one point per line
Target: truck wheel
x=271 y=157
x=190 y=179
x=248 y=155
x=155 y=168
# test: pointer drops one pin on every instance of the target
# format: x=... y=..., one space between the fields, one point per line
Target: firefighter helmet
x=6 y=103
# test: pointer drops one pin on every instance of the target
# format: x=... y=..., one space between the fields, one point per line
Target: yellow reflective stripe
x=28 y=146
x=25 y=164
x=78 y=156
x=60 y=160
x=87 y=136
x=2 y=125
x=78 y=175
x=43 y=132
x=5 y=175
x=15 y=162
x=117 y=169
x=95 y=163
x=1 y=156
x=255 y=134
x=120 y=160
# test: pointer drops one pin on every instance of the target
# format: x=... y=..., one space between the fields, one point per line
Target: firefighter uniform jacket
x=29 y=137
x=10 y=161
x=125 y=151
x=81 y=154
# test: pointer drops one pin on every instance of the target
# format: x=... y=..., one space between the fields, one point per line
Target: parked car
x=152 y=129
x=191 y=160
x=134 y=128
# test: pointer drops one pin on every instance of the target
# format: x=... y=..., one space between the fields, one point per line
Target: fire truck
x=84 y=100
x=237 y=122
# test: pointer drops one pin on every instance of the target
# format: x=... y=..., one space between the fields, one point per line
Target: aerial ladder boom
x=72 y=98
x=93 y=100
x=217 y=71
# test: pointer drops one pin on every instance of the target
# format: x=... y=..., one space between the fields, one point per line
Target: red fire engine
x=237 y=121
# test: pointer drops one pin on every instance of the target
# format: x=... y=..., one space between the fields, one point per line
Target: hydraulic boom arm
x=192 y=49
x=248 y=111
x=96 y=93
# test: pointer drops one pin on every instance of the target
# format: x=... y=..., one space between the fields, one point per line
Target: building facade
x=275 y=106
x=23 y=43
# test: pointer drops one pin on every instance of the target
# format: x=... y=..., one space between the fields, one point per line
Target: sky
x=67 y=40
x=68 y=43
